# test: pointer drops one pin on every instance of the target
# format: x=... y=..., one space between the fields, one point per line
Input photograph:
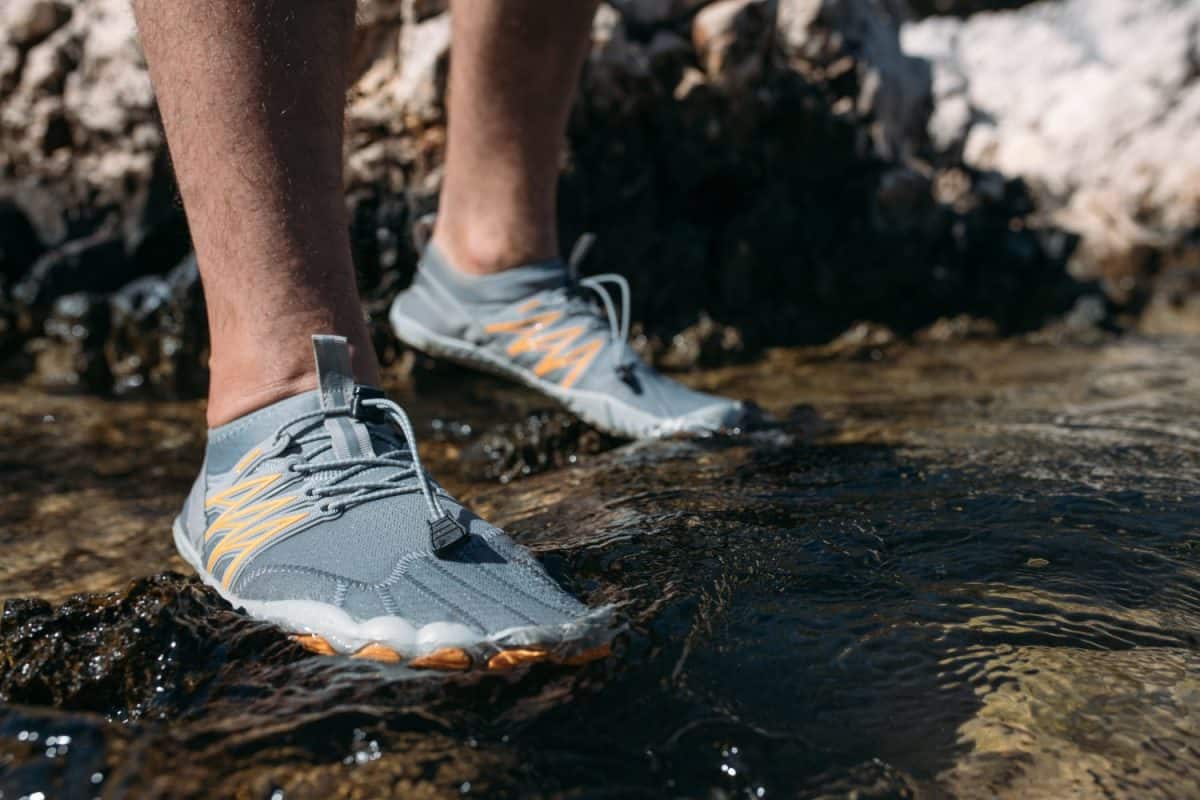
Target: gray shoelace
x=405 y=473
x=618 y=324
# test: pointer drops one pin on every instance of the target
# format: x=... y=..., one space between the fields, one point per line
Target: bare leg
x=252 y=94
x=513 y=70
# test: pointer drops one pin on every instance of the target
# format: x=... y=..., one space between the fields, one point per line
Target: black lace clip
x=444 y=533
x=358 y=408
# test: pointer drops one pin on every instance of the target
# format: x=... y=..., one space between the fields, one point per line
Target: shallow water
x=963 y=569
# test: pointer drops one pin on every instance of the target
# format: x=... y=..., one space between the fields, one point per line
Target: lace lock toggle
x=444 y=533
x=358 y=407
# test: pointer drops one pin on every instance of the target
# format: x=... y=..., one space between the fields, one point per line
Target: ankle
x=246 y=379
x=486 y=248
x=229 y=400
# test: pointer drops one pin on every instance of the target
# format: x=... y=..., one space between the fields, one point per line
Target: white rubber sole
x=601 y=410
x=568 y=643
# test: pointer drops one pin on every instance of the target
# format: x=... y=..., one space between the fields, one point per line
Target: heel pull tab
x=334 y=373
x=349 y=437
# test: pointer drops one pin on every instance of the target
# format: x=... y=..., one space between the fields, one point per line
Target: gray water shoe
x=558 y=334
x=314 y=513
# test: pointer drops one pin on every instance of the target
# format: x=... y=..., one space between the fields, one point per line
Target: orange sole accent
x=314 y=644
x=451 y=659
x=595 y=654
x=448 y=658
x=510 y=659
x=378 y=652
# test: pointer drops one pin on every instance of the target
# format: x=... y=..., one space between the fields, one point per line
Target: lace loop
x=403 y=466
x=618 y=323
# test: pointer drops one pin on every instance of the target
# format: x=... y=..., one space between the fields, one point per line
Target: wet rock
x=958 y=328
x=863 y=341
x=135 y=670
x=541 y=441
x=158 y=343
x=1095 y=106
x=707 y=343
x=70 y=354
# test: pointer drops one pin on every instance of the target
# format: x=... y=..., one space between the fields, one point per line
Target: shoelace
x=618 y=325
x=404 y=466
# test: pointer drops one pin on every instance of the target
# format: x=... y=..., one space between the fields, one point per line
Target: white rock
x=26 y=21
x=1095 y=104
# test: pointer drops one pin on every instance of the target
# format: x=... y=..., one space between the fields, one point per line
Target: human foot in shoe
x=314 y=513
x=541 y=326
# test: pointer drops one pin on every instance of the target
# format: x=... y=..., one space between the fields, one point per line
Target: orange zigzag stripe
x=533 y=337
x=248 y=525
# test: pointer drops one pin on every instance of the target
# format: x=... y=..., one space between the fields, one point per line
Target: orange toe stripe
x=314 y=644
x=447 y=658
x=596 y=653
x=508 y=659
x=378 y=652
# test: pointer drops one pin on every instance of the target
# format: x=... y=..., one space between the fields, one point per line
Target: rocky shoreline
x=766 y=172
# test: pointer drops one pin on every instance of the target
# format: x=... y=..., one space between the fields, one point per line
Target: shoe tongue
x=351 y=437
